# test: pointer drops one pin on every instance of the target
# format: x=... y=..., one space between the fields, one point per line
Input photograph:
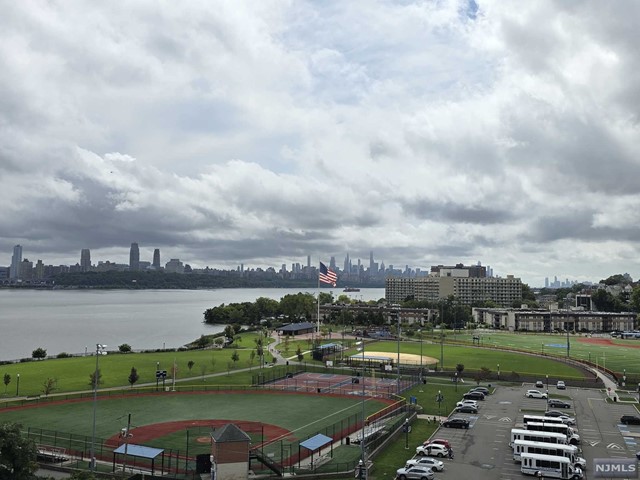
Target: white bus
x=549 y=466
x=572 y=436
x=541 y=419
x=521 y=447
x=533 y=436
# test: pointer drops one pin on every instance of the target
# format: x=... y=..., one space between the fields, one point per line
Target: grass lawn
x=302 y=414
x=618 y=356
x=475 y=358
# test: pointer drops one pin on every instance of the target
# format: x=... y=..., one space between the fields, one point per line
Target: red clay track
x=605 y=341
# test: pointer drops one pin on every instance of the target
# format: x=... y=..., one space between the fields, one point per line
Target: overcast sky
x=260 y=132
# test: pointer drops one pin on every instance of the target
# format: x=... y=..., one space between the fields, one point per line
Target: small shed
x=138 y=451
x=230 y=453
x=297 y=328
x=315 y=444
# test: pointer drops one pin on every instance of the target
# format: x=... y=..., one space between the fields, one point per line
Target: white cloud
x=262 y=132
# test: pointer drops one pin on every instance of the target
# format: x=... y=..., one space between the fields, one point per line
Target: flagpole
x=318 y=317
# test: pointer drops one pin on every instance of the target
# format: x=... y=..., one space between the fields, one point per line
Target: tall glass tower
x=134 y=257
x=156 y=259
x=16 y=260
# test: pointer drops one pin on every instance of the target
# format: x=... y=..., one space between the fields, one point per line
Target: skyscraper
x=85 y=259
x=156 y=259
x=16 y=260
x=134 y=257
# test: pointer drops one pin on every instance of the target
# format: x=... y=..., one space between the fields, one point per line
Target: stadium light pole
x=100 y=350
x=17 y=384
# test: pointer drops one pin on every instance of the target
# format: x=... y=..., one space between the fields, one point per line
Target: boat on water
x=351 y=289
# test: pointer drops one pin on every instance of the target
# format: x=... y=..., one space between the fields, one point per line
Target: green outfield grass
x=475 y=358
x=302 y=414
x=621 y=355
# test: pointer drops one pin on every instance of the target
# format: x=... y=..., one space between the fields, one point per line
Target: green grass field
x=621 y=355
x=302 y=414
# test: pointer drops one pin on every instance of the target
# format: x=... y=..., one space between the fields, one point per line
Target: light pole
x=624 y=376
x=100 y=350
x=456 y=381
x=17 y=384
x=547 y=388
x=439 y=399
x=498 y=371
x=407 y=429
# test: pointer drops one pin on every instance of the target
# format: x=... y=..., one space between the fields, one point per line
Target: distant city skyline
x=139 y=262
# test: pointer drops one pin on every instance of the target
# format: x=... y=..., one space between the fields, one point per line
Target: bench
x=48 y=453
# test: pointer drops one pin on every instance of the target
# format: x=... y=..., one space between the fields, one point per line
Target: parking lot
x=483 y=451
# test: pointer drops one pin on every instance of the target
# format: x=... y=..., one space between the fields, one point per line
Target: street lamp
x=547 y=388
x=100 y=350
x=498 y=371
x=456 y=381
x=624 y=376
x=406 y=428
x=17 y=384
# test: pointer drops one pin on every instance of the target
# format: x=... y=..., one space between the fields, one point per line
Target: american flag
x=327 y=276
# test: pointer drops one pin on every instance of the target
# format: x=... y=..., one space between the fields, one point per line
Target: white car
x=535 y=394
x=415 y=473
x=472 y=403
x=432 y=450
x=428 y=462
x=560 y=385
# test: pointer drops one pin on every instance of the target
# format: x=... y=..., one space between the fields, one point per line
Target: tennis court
x=337 y=384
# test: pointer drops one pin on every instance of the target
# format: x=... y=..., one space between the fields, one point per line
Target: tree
x=39 y=353
x=235 y=357
x=190 y=364
x=203 y=341
x=252 y=357
x=203 y=370
x=124 y=348
x=50 y=384
x=133 y=376
x=219 y=342
x=7 y=381
x=299 y=354
x=18 y=455
x=95 y=378
x=459 y=369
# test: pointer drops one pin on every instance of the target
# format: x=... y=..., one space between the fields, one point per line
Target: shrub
x=64 y=355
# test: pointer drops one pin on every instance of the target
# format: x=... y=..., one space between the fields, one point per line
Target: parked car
x=467 y=409
x=473 y=395
x=563 y=416
x=473 y=403
x=439 y=441
x=539 y=384
x=456 y=423
x=428 y=462
x=432 y=450
x=630 y=420
x=560 y=385
x=555 y=403
x=535 y=394
x=415 y=473
x=484 y=390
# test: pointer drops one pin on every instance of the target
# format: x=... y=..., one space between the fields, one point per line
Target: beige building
x=468 y=290
x=540 y=320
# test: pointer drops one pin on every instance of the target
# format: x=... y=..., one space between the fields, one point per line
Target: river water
x=73 y=321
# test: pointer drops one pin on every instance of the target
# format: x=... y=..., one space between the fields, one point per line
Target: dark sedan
x=473 y=396
x=630 y=420
x=456 y=423
x=555 y=403
x=466 y=409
